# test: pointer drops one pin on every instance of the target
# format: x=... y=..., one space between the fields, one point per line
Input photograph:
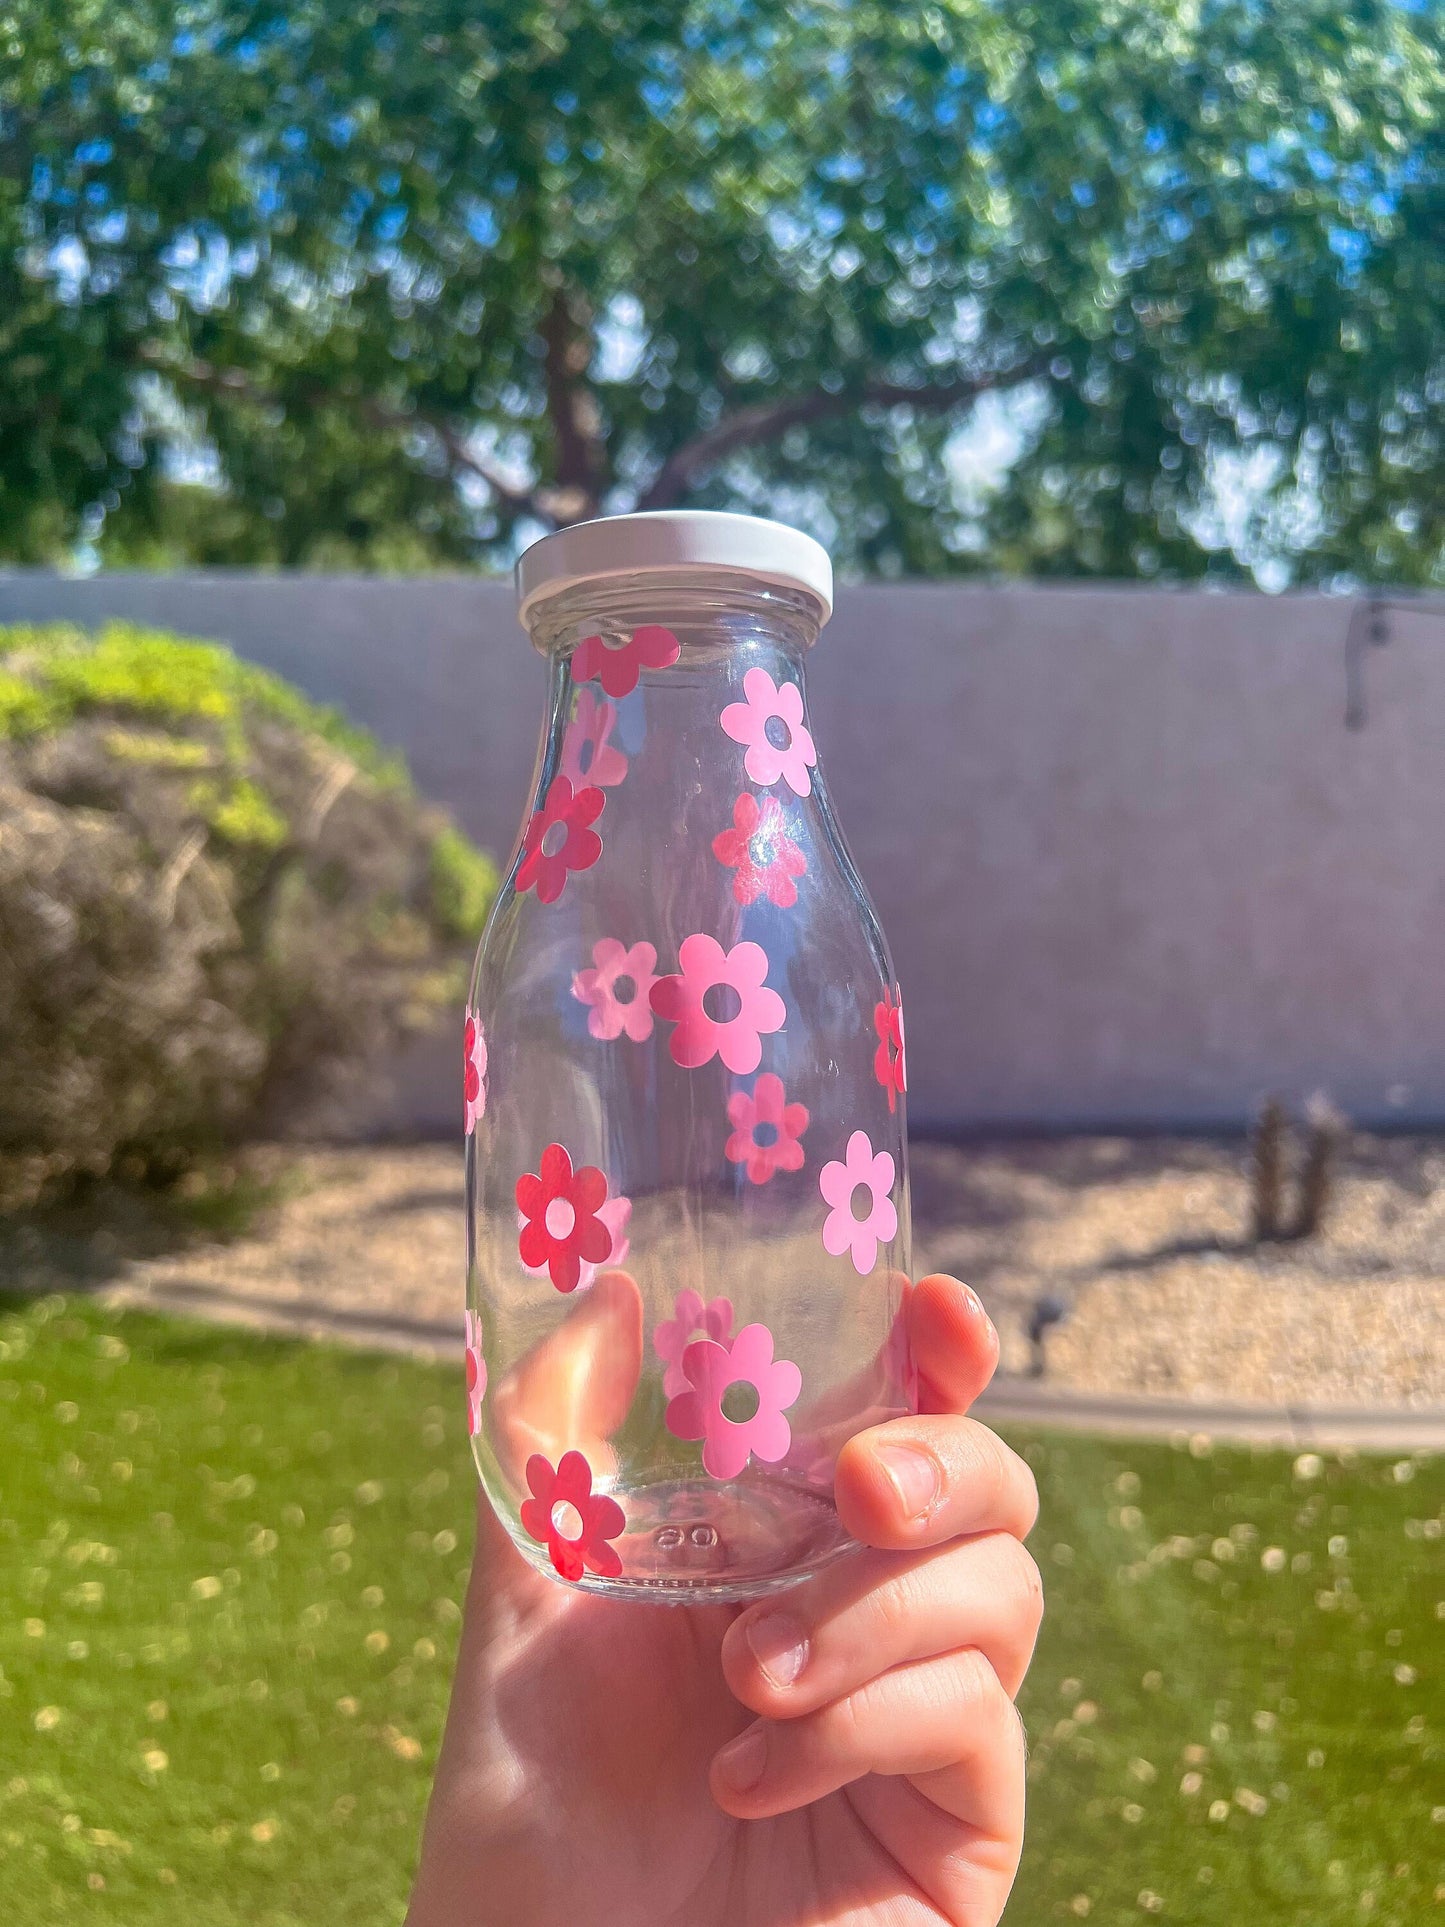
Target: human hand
x=845 y=1753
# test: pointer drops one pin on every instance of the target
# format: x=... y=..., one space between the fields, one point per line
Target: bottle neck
x=712 y=616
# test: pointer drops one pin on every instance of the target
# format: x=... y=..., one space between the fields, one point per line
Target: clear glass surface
x=687 y=1192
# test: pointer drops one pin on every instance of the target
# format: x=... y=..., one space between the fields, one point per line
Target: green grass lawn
x=229 y=1575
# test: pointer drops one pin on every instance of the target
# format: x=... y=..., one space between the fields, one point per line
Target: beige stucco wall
x=1133 y=866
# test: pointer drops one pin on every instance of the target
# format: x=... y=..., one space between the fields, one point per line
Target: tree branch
x=573 y=412
x=766 y=421
x=377 y=414
x=581 y=453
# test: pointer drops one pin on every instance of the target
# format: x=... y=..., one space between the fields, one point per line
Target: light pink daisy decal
x=691 y=1319
x=770 y=723
x=563 y=1228
x=766 y=1129
x=888 y=1065
x=476 y=1373
x=618 y=987
x=765 y=858
x=588 y=753
x=474 y=1072
x=720 y=1003
x=619 y=668
x=616 y=1214
x=560 y=838
x=569 y=1519
x=861 y=1169
x=735 y=1425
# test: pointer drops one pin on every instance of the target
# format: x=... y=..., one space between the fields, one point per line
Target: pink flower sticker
x=616 y=1214
x=588 y=755
x=474 y=1072
x=888 y=1065
x=617 y=970
x=691 y=1319
x=711 y=1370
x=476 y=1372
x=569 y=1519
x=766 y=1129
x=618 y=669
x=563 y=1228
x=559 y=839
x=700 y=1035
x=765 y=857
x=860 y=1169
x=769 y=711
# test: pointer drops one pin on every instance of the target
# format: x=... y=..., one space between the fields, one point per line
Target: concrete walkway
x=1011 y=1400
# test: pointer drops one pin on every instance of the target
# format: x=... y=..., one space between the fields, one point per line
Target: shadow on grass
x=83 y=1237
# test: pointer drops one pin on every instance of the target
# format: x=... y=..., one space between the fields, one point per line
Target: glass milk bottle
x=686 y=1176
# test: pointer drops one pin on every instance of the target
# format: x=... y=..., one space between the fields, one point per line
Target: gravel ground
x=1142 y=1243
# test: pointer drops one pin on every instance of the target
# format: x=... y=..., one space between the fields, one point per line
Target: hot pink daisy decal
x=474 y=1072
x=691 y=1319
x=765 y=857
x=871 y=1172
x=766 y=1129
x=888 y=1065
x=564 y=1229
x=618 y=988
x=569 y=1519
x=759 y=1430
x=588 y=755
x=618 y=669
x=772 y=711
x=616 y=1214
x=476 y=1373
x=743 y=1008
x=560 y=838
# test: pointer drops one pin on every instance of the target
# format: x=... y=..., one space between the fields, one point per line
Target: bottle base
x=695 y=1542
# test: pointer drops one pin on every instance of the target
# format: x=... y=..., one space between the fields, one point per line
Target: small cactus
x=1271 y=1134
x=1326 y=1130
x=1047 y=1312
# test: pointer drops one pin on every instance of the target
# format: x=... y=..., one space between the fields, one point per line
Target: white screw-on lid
x=617 y=545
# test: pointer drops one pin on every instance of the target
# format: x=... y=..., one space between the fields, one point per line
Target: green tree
x=413 y=279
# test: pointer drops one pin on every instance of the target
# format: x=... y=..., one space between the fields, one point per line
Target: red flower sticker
x=569 y=1519
x=559 y=838
x=766 y=1129
x=564 y=1228
x=888 y=1065
x=476 y=1372
x=618 y=669
x=474 y=1072
x=765 y=857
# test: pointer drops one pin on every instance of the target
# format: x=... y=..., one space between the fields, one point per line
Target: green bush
x=216 y=900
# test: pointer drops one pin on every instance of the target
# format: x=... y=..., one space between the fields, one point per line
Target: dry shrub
x=216 y=901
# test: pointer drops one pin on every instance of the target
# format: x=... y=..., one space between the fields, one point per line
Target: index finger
x=954 y=1344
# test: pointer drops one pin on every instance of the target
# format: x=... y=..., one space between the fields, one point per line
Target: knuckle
x=1031 y=1583
x=975 y=1683
x=982 y=1473
x=842 y=1728
x=893 y=1610
x=1029 y=1495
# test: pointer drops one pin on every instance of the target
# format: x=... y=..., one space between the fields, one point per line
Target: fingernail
x=914 y=1476
x=741 y=1762
x=779 y=1645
